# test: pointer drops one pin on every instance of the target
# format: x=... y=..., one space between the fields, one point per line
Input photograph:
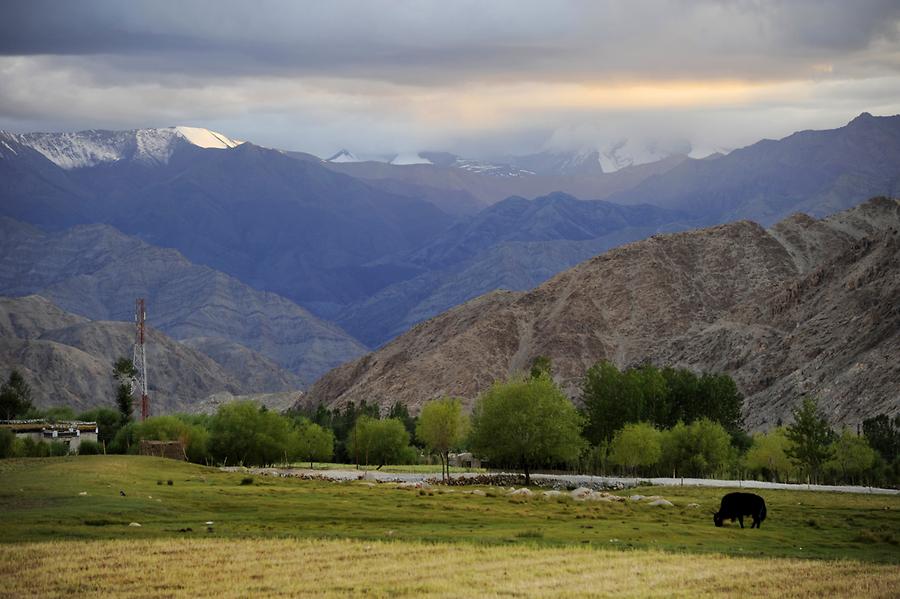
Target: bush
x=242 y=433
x=696 y=449
x=379 y=441
x=247 y=480
x=636 y=445
x=89 y=448
x=7 y=443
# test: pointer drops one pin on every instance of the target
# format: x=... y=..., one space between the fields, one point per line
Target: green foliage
x=400 y=412
x=15 y=397
x=528 y=422
x=108 y=423
x=241 y=433
x=88 y=447
x=378 y=441
x=810 y=438
x=125 y=403
x=29 y=448
x=612 y=399
x=768 y=456
x=442 y=426
x=172 y=428
x=851 y=456
x=7 y=443
x=719 y=400
x=124 y=373
x=636 y=445
x=695 y=449
x=58 y=414
x=314 y=443
x=124 y=441
x=883 y=434
x=541 y=366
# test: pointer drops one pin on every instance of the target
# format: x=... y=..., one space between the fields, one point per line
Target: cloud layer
x=476 y=77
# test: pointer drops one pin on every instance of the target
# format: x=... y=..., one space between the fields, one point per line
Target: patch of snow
x=204 y=138
x=409 y=158
x=80 y=149
x=343 y=156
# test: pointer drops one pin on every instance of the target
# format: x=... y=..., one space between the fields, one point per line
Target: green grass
x=40 y=501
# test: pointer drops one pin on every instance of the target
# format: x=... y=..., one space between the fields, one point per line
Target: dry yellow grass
x=242 y=568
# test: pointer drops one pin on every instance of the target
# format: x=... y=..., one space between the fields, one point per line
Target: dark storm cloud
x=430 y=42
x=491 y=76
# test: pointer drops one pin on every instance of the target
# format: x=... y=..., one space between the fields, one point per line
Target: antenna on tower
x=140 y=357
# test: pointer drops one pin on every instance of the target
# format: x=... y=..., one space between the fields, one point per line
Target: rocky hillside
x=806 y=307
x=97 y=272
x=67 y=360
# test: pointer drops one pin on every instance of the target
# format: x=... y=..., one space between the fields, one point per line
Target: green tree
x=15 y=396
x=7 y=443
x=610 y=400
x=683 y=393
x=378 y=441
x=108 y=423
x=314 y=443
x=636 y=445
x=124 y=373
x=401 y=412
x=883 y=434
x=768 y=456
x=442 y=426
x=695 y=449
x=720 y=400
x=194 y=439
x=851 y=457
x=810 y=438
x=527 y=422
x=243 y=433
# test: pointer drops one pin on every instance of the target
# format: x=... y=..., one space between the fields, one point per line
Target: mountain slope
x=68 y=360
x=817 y=172
x=514 y=244
x=664 y=298
x=97 y=272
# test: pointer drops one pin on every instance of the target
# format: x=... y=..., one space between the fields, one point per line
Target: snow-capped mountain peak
x=343 y=155
x=79 y=149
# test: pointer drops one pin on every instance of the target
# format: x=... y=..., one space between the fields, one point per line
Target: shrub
x=247 y=480
x=88 y=447
x=7 y=443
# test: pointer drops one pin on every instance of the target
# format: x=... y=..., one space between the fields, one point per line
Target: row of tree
x=640 y=421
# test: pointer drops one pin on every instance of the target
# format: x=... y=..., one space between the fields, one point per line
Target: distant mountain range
x=808 y=307
x=67 y=360
x=96 y=272
x=368 y=249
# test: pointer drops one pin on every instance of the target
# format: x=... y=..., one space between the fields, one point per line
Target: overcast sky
x=483 y=78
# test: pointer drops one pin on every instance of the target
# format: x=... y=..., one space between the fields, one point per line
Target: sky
x=481 y=78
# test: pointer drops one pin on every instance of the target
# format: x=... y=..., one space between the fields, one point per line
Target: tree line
x=641 y=421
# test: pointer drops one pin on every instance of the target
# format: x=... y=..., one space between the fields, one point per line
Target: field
x=65 y=528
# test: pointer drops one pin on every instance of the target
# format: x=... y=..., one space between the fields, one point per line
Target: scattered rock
x=636 y=497
x=135 y=524
x=661 y=503
x=83 y=493
x=413 y=485
x=693 y=505
x=479 y=492
x=553 y=493
x=523 y=492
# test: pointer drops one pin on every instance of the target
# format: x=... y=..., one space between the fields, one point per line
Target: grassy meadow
x=65 y=523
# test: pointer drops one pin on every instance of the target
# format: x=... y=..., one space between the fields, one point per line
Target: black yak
x=738 y=505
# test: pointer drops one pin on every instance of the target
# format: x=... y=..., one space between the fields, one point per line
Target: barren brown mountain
x=806 y=307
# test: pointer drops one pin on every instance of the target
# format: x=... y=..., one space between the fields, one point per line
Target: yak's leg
x=741 y=520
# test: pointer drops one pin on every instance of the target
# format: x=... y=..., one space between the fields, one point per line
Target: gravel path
x=569 y=481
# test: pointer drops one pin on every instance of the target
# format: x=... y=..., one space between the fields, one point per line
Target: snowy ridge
x=409 y=158
x=90 y=148
x=343 y=156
